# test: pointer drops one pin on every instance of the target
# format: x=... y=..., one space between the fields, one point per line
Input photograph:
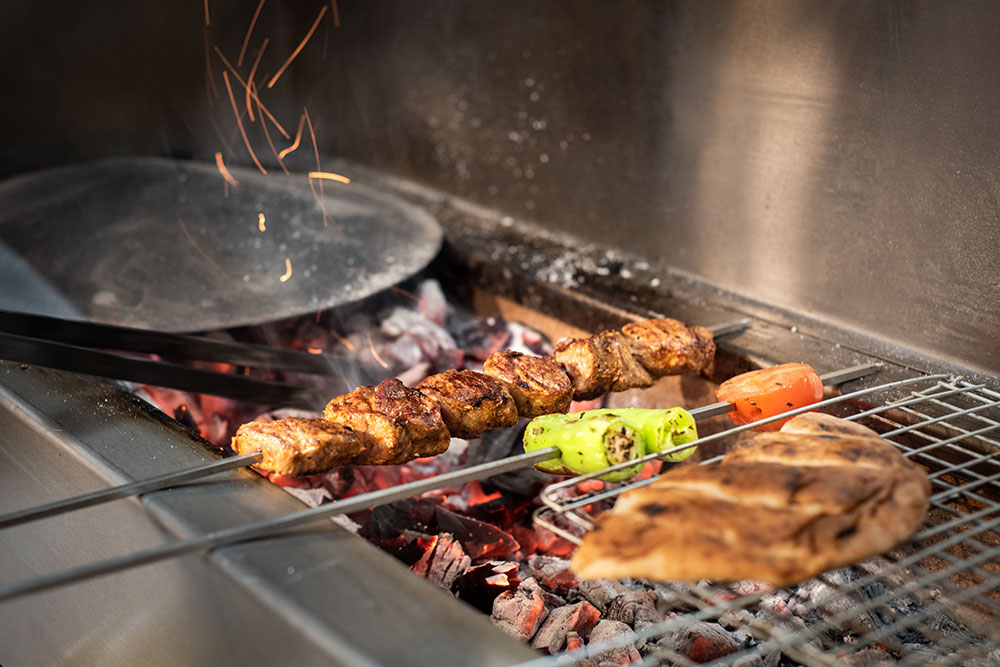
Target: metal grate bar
x=955 y=420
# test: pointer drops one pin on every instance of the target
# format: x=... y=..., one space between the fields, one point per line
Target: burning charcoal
x=636 y=608
x=519 y=613
x=701 y=642
x=772 y=659
x=607 y=631
x=601 y=592
x=483 y=336
x=553 y=573
x=579 y=618
x=480 y=540
x=831 y=602
x=412 y=331
x=867 y=657
x=501 y=443
x=481 y=585
x=443 y=561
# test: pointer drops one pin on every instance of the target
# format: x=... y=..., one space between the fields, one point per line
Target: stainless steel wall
x=839 y=159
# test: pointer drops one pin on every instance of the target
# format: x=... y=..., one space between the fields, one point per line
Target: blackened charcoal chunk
x=519 y=613
x=607 y=631
x=700 y=642
x=579 y=618
x=601 y=592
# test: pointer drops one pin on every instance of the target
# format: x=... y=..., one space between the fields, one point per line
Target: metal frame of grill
x=939 y=421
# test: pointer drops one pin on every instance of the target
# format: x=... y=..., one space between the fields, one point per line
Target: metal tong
x=102 y=350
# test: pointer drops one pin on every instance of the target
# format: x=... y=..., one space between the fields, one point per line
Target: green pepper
x=587 y=443
x=661 y=429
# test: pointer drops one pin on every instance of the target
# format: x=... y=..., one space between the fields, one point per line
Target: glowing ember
x=253 y=94
x=298 y=138
x=198 y=247
x=288 y=271
x=239 y=123
x=224 y=171
x=375 y=355
x=281 y=70
x=253 y=70
x=246 y=40
x=329 y=176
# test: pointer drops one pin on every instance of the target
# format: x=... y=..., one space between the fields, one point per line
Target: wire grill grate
x=935 y=600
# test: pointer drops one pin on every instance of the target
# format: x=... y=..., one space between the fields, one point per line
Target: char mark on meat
x=471 y=403
x=403 y=423
x=299 y=446
x=538 y=384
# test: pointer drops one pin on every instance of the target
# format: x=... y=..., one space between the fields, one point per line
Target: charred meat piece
x=299 y=446
x=402 y=423
x=539 y=386
x=471 y=403
x=668 y=347
x=600 y=364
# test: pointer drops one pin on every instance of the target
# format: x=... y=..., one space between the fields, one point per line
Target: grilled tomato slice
x=761 y=394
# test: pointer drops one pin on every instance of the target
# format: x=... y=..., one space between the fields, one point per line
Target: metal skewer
x=171 y=479
x=356 y=503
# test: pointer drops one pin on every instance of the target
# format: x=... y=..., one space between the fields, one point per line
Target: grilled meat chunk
x=668 y=347
x=402 y=423
x=600 y=364
x=299 y=446
x=471 y=403
x=539 y=386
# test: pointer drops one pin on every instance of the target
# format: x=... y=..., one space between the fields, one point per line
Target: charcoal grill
x=946 y=424
x=828 y=171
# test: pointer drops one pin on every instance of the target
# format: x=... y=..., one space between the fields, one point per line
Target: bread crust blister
x=782 y=507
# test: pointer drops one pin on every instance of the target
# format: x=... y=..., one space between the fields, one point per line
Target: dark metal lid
x=167 y=245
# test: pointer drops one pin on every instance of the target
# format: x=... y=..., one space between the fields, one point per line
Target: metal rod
x=271 y=526
x=170 y=479
x=354 y=504
x=125 y=490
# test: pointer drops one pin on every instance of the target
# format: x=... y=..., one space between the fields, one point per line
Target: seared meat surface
x=299 y=446
x=669 y=347
x=538 y=384
x=471 y=403
x=392 y=424
x=402 y=423
x=600 y=364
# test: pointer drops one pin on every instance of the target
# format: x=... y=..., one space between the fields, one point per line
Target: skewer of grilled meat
x=397 y=424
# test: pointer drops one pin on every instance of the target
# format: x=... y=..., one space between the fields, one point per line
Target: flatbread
x=781 y=507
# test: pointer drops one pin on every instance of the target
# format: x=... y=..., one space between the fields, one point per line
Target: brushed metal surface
x=836 y=159
x=314 y=597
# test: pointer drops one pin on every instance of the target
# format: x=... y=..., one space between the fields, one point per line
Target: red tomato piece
x=761 y=394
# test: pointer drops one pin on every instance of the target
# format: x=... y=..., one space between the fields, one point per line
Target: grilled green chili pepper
x=661 y=429
x=588 y=442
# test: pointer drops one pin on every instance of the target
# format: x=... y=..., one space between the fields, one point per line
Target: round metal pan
x=169 y=245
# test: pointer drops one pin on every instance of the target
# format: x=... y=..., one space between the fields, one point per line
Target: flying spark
x=246 y=40
x=260 y=222
x=298 y=138
x=312 y=135
x=288 y=271
x=371 y=346
x=239 y=122
x=277 y=75
x=225 y=172
x=315 y=350
x=236 y=75
x=253 y=70
x=329 y=176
